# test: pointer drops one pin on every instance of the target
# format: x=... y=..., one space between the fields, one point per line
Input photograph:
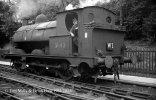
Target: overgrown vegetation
x=140 y=19
x=7 y=24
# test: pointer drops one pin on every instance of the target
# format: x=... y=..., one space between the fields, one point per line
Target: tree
x=149 y=22
x=7 y=24
x=140 y=19
x=50 y=10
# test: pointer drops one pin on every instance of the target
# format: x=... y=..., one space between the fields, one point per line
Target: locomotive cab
x=92 y=30
x=94 y=33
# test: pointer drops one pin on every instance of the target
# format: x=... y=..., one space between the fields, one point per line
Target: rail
x=93 y=92
x=8 y=96
x=93 y=89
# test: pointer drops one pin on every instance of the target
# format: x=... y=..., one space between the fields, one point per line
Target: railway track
x=18 y=89
x=75 y=91
x=8 y=96
x=137 y=95
x=12 y=89
x=139 y=91
x=129 y=89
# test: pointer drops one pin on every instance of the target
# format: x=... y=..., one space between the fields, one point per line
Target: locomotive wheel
x=84 y=70
x=29 y=70
x=65 y=72
x=17 y=66
x=39 y=71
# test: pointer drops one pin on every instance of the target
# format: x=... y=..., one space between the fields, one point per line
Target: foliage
x=50 y=10
x=140 y=19
x=7 y=24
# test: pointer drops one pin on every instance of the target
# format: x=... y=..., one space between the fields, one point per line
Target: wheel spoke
x=65 y=72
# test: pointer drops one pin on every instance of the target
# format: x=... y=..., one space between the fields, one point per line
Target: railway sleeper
x=8 y=96
x=90 y=90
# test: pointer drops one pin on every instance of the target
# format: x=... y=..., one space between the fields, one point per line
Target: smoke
x=28 y=8
x=8 y=46
x=86 y=3
x=70 y=7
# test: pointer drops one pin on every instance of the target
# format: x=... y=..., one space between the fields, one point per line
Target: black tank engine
x=83 y=42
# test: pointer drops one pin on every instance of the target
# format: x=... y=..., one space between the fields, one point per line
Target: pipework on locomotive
x=84 y=42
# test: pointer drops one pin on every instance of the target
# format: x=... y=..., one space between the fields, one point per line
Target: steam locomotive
x=94 y=47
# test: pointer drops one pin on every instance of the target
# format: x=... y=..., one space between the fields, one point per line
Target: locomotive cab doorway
x=72 y=26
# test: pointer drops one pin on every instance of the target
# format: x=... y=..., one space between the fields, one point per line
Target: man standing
x=74 y=34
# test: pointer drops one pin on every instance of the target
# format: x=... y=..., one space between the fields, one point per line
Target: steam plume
x=86 y=3
x=70 y=7
x=27 y=8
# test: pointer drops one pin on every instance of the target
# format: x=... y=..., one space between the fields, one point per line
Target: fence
x=145 y=65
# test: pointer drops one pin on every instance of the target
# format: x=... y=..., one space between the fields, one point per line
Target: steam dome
x=41 y=18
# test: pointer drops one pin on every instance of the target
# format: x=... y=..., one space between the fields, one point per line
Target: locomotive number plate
x=60 y=45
